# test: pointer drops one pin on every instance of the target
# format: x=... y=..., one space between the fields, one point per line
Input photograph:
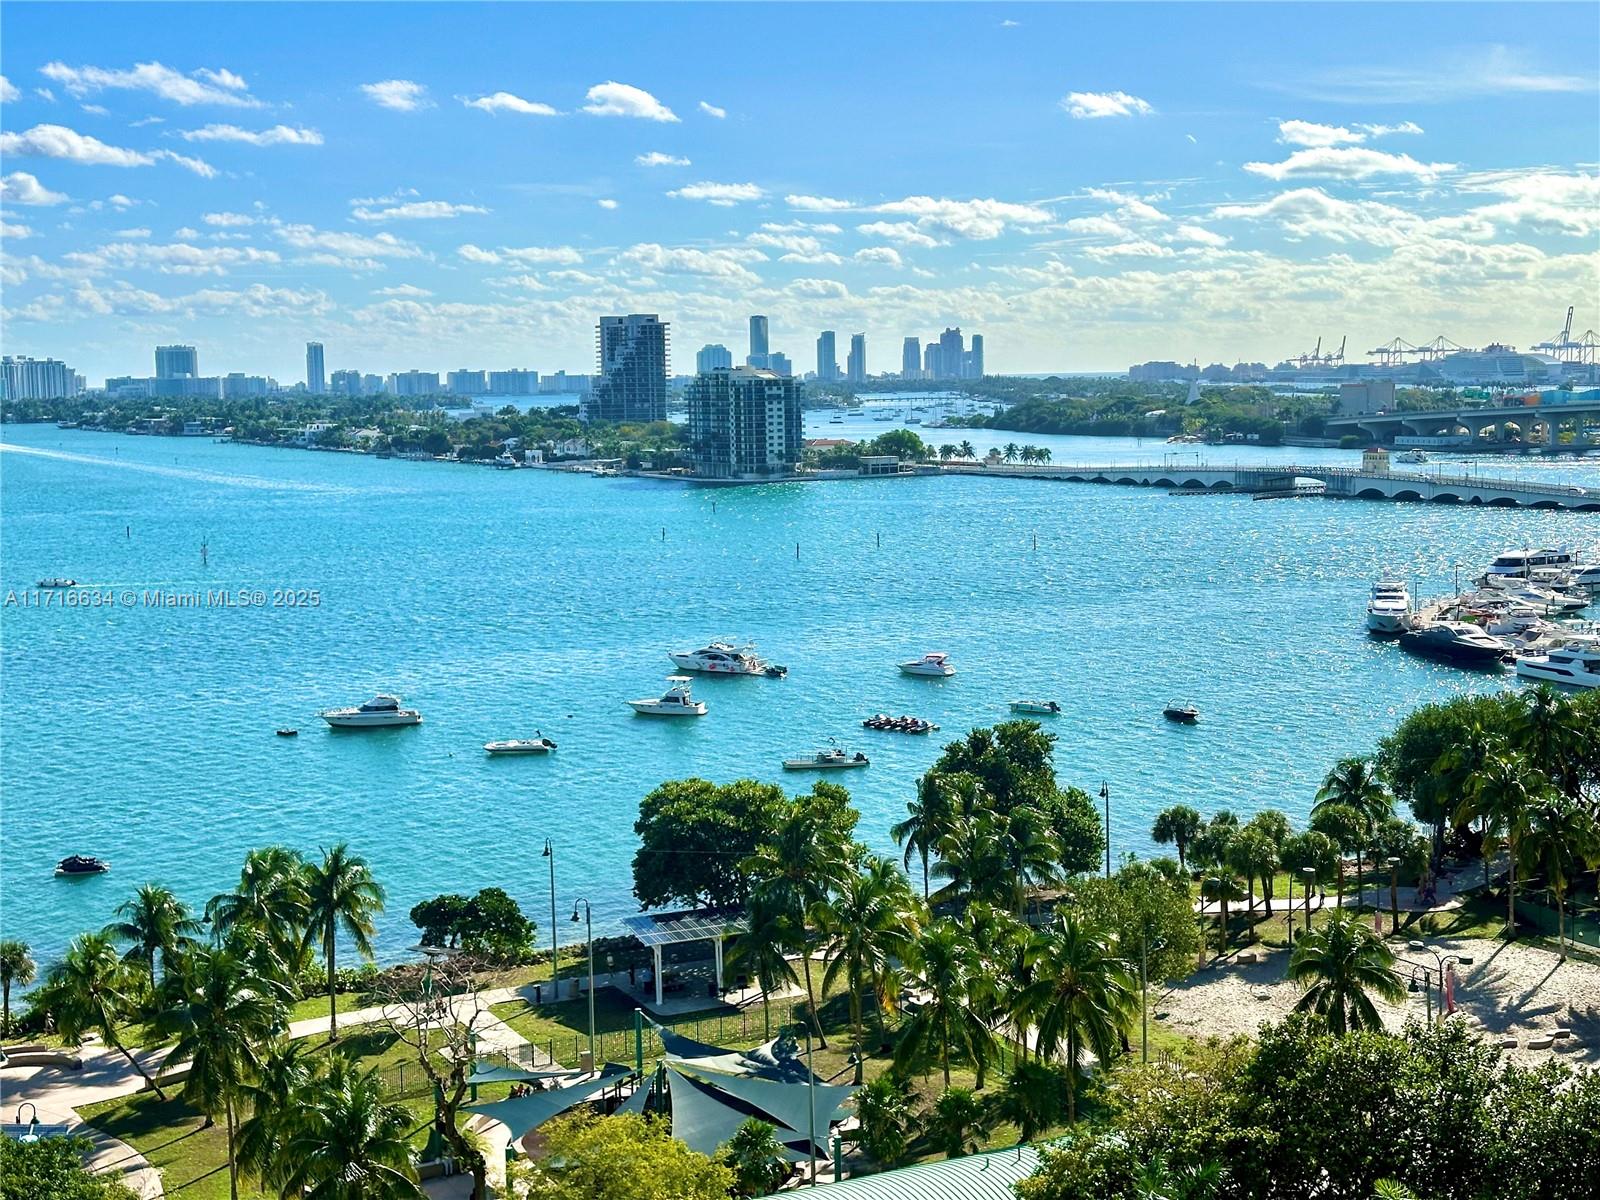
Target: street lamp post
x=1105 y=795
x=1440 y=962
x=1427 y=989
x=1310 y=874
x=588 y=916
x=1393 y=864
x=1144 y=994
x=555 y=951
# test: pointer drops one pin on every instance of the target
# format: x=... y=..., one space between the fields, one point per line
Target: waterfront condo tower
x=177 y=362
x=759 y=346
x=745 y=423
x=911 y=359
x=316 y=377
x=631 y=353
x=856 y=364
x=712 y=356
x=827 y=357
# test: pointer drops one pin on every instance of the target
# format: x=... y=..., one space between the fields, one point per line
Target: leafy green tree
x=156 y=924
x=92 y=990
x=1503 y=795
x=1083 y=997
x=347 y=1141
x=16 y=966
x=1032 y=1096
x=440 y=920
x=694 y=834
x=342 y=896
x=1177 y=826
x=1342 y=826
x=53 y=1168
x=1342 y=965
x=756 y=1158
x=946 y=965
x=1142 y=908
x=883 y=1109
x=1561 y=839
x=493 y=928
x=1311 y=849
x=958 y=1122
x=624 y=1157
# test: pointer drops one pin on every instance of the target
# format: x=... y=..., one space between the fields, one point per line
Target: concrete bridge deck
x=1346 y=483
x=1536 y=424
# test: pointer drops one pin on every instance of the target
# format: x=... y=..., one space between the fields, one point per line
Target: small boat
x=674 y=702
x=82 y=864
x=1184 y=714
x=1035 y=706
x=505 y=462
x=288 y=733
x=538 y=744
x=380 y=712
x=57 y=583
x=1456 y=641
x=888 y=724
x=724 y=658
x=1412 y=456
x=934 y=664
x=831 y=759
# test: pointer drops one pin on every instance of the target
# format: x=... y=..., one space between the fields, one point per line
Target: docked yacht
x=676 y=701
x=831 y=759
x=1389 y=607
x=936 y=665
x=1520 y=563
x=538 y=744
x=724 y=658
x=1456 y=641
x=1542 y=596
x=1576 y=663
x=380 y=712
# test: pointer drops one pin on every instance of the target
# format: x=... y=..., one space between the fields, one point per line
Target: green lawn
x=169 y=1133
x=317 y=1006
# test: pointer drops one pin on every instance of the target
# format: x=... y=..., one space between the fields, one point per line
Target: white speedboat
x=1456 y=641
x=724 y=658
x=380 y=712
x=831 y=759
x=1575 y=664
x=57 y=583
x=504 y=462
x=1035 y=706
x=534 y=745
x=1412 y=456
x=676 y=701
x=1389 y=607
x=1540 y=596
x=935 y=664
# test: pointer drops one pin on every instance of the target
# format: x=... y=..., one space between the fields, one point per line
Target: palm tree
x=883 y=1109
x=271 y=899
x=1561 y=837
x=220 y=1013
x=1253 y=855
x=867 y=924
x=1178 y=826
x=348 y=1143
x=16 y=966
x=1341 y=966
x=1030 y=1098
x=972 y=857
x=1042 y=454
x=270 y=1096
x=1083 y=996
x=756 y=1158
x=154 y=922
x=1011 y=452
x=1504 y=794
x=947 y=966
x=792 y=873
x=1030 y=853
x=968 y=451
x=1341 y=825
x=1222 y=890
x=947 y=452
x=343 y=896
x=763 y=950
x=1458 y=767
x=92 y=988
x=958 y=1121
x=1546 y=732
x=927 y=819
x=1354 y=782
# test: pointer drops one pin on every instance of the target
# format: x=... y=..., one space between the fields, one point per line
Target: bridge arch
x=1407 y=494
x=1372 y=493
x=1164 y=482
x=1446 y=498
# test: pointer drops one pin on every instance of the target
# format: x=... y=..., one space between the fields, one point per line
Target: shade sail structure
x=705 y=1118
x=636 y=1103
x=782 y=1103
x=777 y=1060
x=688 y=925
x=489 y=1073
x=526 y=1113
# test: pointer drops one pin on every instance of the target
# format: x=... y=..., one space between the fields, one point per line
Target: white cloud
x=904 y=232
x=1010 y=24
x=416 y=210
x=507 y=102
x=711 y=110
x=1309 y=133
x=1089 y=106
x=139 y=232
x=8 y=91
x=278 y=135
x=1386 y=130
x=819 y=289
x=202 y=87
x=119 y=202
x=21 y=188
x=524 y=255
x=1542 y=200
x=403 y=289
x=1346 y=162
x=57 y=141
x=1097 y=226
x=1129 y=207
x=198 y=165
x=350 y=245
x=824 y=257
x=15 y=230
x=607 y=203
x=723 y=195
x=96 y=110
x=176 y=258
x=574 y=278
x=1199 y=235
x=979 y=220
x=143 y=121
x=1139 y=248
x=725 y=265
x=657 y=159
x=1311 y=212
x=1477 y=70
x=526 y=283
x=886 y=256
x=817 y=203
x=228 y=220
x=613 y=99
x=401 y=95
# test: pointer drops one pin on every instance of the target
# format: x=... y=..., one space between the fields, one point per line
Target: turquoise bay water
x=498 y=602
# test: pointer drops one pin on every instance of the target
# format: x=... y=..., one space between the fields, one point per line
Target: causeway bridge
x=1531 y=424
x=1345 y=483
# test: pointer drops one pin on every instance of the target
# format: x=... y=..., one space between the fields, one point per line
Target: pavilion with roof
x=660 y=930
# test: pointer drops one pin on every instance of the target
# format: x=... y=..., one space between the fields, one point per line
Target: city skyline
x=1390 y=181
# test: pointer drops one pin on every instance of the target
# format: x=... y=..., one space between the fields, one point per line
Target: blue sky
x=437 y=186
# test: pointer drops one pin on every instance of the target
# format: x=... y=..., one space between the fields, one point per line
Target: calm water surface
x=500 y=602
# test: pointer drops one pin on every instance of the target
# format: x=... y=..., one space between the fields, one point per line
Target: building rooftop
x=991 y=1176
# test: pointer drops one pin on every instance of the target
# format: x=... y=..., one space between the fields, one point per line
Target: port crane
x=1318 y=359
x=1567 y=349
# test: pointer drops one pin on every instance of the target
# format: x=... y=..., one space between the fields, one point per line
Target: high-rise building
x=711 y=356
x=177 y=362
x=911 y=359
x=631 y=353
x=316 y=376
x=515 y=382
x=744 y=423
x=345 y=383
x=932 y=363
x=237 y=385
x=759 y=348
x=463 y=382
x=24 y=378
x=778 y=363
x=372 y=385
x=856 y=364
x=414 y=383
x=952 y=349
x=827 y=357
x=975 y=358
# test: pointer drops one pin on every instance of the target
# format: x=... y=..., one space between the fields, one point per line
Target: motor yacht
x=1521 y=562
x=381 y=712
x=933 y=664
x=1389 y=607
x=1184 y=713
x=538 y=744
x=724 y=658
x=1537 y=595
x=1456 y=641
x=831 y=759
x=1575 y=663
x=676 y=701
x=1412 y=456
x=504 y=462
x=1049 y=707
x=82 y=864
